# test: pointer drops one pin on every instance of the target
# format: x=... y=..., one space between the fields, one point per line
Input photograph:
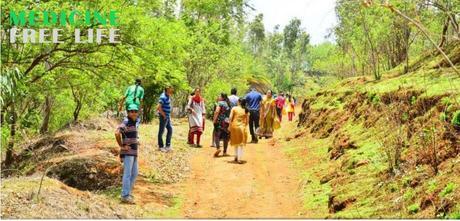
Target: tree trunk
x=444 y=33
x=45 y=125
x=76 y=111
x=10 y=148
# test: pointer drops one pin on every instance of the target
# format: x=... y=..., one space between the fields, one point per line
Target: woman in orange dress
x=239 y=118
x=268 y=118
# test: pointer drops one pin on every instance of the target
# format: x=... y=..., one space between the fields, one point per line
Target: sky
x=317 y=16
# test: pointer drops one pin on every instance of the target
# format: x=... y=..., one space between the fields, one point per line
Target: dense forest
x=208 y=44
x=216 y=45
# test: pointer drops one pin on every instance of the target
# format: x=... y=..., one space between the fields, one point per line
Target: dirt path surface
x=265 y=187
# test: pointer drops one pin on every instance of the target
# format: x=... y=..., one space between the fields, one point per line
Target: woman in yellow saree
x=268 y=120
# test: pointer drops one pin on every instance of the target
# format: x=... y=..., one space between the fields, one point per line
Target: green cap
x=133 y=107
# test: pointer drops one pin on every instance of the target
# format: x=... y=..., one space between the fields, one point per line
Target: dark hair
x=192 y=94
x=138 y=81
x=225 y=97
x=243 y=105
x=233 y=91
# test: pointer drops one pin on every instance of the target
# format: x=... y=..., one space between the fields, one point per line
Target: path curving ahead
x=265 y=187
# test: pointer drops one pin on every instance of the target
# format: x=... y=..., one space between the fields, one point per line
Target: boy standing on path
x=253 y=100
x=133 y=95
x=126 y=136
x=164 y=109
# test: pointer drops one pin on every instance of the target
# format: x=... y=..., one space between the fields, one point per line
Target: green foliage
x=81 y=81
x=432 y=186
x=409 y=194
x=374 y=98
x=413 y=99
x=414 y=208
x=450 y=187
x=456 y=118
x=443 y=116
x=454 y=215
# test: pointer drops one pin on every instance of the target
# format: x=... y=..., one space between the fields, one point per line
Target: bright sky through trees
x=317 y=15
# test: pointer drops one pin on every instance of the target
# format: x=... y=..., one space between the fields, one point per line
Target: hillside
x=382 y=149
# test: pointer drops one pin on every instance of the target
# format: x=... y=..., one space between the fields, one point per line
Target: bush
x=374 y=98
x=414 y=208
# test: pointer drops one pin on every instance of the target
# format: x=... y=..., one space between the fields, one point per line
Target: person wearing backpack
x=221 y=123
x=134 y=95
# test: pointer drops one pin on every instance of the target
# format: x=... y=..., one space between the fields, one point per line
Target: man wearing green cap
x=127 y=139
x=133 y=95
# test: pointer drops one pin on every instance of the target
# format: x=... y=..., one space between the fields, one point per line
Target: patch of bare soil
x=264 y=187
x=20 y=199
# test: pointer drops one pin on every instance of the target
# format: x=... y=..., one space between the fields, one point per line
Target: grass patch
x=173 y=211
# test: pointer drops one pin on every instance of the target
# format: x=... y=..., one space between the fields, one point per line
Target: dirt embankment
x=81 y=174
x=399 y=135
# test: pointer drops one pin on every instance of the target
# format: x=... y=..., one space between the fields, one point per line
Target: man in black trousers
x=253 y=99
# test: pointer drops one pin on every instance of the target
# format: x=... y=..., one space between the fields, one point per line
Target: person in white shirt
x=233 y=98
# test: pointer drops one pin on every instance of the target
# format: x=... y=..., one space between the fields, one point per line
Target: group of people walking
x=231 y=117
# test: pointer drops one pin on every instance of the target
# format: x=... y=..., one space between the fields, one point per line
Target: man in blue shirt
x=164 y=109
x=253 y=100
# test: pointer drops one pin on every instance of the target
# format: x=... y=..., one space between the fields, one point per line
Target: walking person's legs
x=126 y=188
x=217 y=143
x=134 y=173
x=190 y=137
x=239 y=153
x=225 y=146
x=213 y=144
x=198 y=139
x=253 y=125
x=279 y=112
x=256 y=123
x=161 y=131
x=169 y=132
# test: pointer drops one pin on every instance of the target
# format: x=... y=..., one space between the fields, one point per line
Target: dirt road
x=265 y=187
